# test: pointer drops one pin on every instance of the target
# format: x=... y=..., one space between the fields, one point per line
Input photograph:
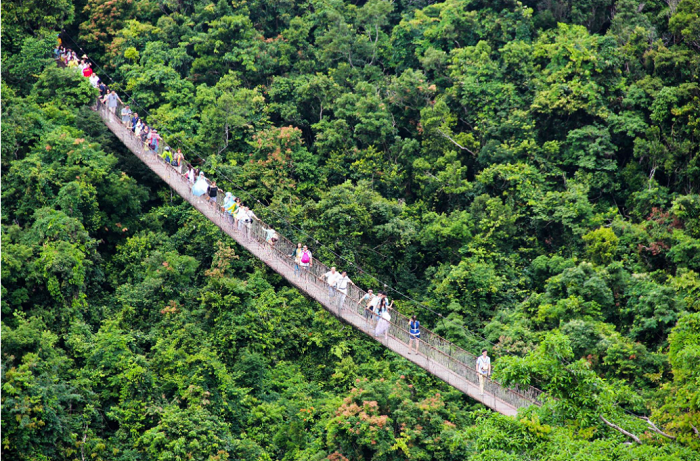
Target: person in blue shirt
x=413 y=334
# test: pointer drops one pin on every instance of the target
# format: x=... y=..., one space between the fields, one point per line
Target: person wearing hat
x=229 y=205
x=167 y=155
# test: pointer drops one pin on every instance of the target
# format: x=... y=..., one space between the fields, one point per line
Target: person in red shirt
x=87 y=72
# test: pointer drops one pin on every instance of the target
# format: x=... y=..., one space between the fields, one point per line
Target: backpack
x=305 y=258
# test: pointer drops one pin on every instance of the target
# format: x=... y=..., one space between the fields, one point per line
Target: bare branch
x=621 y=430
x=672 y=6
x=455 y=142
x=82 y=445
x=656 y=429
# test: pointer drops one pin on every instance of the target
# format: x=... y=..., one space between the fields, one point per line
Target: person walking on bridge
x=192 y=175
x=126 y=115
x=373 y=308
x=153 y=140
x=112 y=101
x=238 y=217
x=228 y=206
x=307 y=261
x=200 y=186
x=235 y=211
x=383 y=325
x=246 y=217
x=331 y=277
x=342 y=287
x=178 y=160
x=271 y=237
x=483 y=368
x=212 y=192
x=413 y=333
x=103 y=89
x=369 y=297
x=384 y=304
x=296 y=257
x=167 y=155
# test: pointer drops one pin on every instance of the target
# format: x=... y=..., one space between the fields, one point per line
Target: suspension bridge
x=437 y=356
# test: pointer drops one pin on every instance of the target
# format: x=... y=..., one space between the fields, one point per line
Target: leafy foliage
x=527 y=170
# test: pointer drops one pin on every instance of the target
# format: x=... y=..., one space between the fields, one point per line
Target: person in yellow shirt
x=229 y=206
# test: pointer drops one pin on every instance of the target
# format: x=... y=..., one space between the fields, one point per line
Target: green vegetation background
x=528 y=169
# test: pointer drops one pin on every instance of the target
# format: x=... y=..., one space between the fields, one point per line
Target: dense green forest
x=528 y=169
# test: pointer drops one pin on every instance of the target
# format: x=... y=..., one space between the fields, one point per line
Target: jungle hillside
x=523 y=174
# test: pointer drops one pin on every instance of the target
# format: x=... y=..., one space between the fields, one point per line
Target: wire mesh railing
x=434 y=348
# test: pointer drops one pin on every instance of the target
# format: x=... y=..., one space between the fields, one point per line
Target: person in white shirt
x=238 y=217
x=483 y=368
x=342 y=287
x=383 y=325
x=373 y=308
x=94 y=80
x=245 y=218
x=331 y=277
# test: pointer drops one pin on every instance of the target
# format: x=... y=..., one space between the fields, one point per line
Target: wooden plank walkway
x=433 y=358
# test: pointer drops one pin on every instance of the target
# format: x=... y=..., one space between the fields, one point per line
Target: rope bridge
x=439 y=357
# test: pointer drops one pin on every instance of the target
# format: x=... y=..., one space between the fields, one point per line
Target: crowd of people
x=148 y=135
x=69 y=58
x=377 y=307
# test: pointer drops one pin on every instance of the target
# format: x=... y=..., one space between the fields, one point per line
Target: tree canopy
x=527 y=170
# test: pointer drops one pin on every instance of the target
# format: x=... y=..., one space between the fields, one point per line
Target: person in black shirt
x=211 y=192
